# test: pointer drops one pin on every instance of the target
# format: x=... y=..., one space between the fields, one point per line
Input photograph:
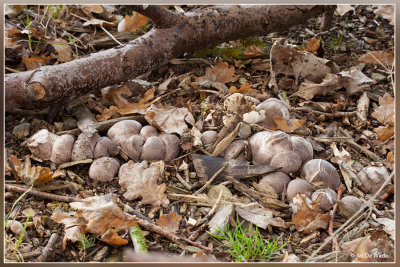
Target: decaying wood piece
x=173 y=35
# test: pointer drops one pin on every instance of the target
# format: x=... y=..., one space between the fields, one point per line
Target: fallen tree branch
x=37 y=193
x=173 y=35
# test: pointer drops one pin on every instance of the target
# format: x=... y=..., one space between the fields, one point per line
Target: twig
x=182 y=181
x=34 y=192
x=212 y=179
x=112 y=37
x=11 y=70
x=341 y=189
x=49 y=248
x=211 y=212
x=338 y=231
x=331 y=115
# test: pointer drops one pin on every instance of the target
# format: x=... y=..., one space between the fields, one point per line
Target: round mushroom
x=101 y=148
x=289 y=161
x=373 y=178
x=133 y=146
x=122 y=130
x=62 y=149
x=234 y=149
x=298 y=186
x=103 y=169
x=148 y=131
x=302 y=147
x=321 y=170
x=153 y=149
x=273 y=107
x=277 y=180
x=41 y=144
x=208 y=137
x=271 y=145
x=171 y=142
x=352 y=202
x=327 y=200
x=84 y=146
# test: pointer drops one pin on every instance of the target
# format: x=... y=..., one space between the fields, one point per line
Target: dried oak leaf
x=34 y=61
x=252 y=51
x=140 y=180
x=359 y=249
x=107 y=113
x=387 y=12
x=29 y=174
x=308 y=219
x=389 y=226
x=98 y=215
x=116 y=95
x=244 y=89
x=217 y=76
x=169 y=119
x=378 y=57
x=170 y=222
x=141 y=106
x=343 y=9
x=260 y=216
x=64 y=52
x=385 y=112
x=313 y=45
x=286 y=126
x=132 y=24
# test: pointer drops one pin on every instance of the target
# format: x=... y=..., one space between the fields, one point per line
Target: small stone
x=58 y=126
x=192 y=222
x=69 y=124
x=378 y=76
x=22 y=130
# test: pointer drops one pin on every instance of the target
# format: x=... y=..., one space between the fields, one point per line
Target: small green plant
x=337 y=39
x=248 y=246
x=86 y=242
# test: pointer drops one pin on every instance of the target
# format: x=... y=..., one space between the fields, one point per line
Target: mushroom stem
x=340 y=191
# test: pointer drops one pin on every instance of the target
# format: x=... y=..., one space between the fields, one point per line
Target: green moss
x=138 y=239
x=62 y=206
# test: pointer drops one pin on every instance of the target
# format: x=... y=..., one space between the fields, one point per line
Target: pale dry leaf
x=97 y=215
x=386 y=11
x=354 y=81
x=385 y=112
x=253 y=51
x=389 y=226
x=169 y=119
x=358 y=248
x=72 y=234
x=290 y=258
x=260 y=216
x=217 y=76
x=140 y=180
x=98 y=22
x=363 y=106
x=93 y=8
x=63 y=50
x=220 y=218
x=343 y=9
x=384 y=132
x=141 y=106
x=261 y=64
x=378 y=57
x=170 y=222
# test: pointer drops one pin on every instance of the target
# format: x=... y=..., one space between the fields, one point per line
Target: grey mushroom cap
x=302 y=147
x=84 y=146
x=148 y=131
x=171 y=142
x=289 y=161
x=41 y=144
x=273 y=108
x=352 y=202
x=373 y=178
x=316 y=170
x=133 y=146
x=62 y=149
x=257 y=139
x=101 y=148
x=208 y=137
x=327 y=200
x=277 y=180
x=104 y=169
x=234 y=149
x=270 y=145
x=298 y=186
x=153 y=149
x=122 y=130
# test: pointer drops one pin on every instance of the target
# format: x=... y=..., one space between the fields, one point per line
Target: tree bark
x=173 y=35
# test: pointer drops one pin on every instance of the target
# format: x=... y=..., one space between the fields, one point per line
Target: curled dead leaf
x=313 y=45
x=29 y=174
x=378 y=57
x=386 y=11
x=170 y=222
x=132 y=24
x=286 y=126
x=385 y=112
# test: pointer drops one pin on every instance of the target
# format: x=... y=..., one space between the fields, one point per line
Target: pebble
x=378 y=76
x=69 y=124
x=22 y=130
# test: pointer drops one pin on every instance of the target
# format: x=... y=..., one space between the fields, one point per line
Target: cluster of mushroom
x=128 y=136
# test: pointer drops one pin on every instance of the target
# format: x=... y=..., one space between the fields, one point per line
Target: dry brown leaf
x=140 y=180
x=141 y=106
x=217 y=76
x=169 y=119
x=99 y=22
x=286 y=126
x=261 y=64
x=260 y=216
x=386 y=11
x=308 y=219
x=116 y=95
x=34 y=61
x=385 y=112
x=389 y=226
x=343 y=9
x=73 y=234
x=354 y=81
x=98 y=215
x=132 y=24
x=107 y=113
x=313 y=45
x=35 y=175
x=170 y=222
x=384 y=132
x=64 y=52
x=244 y=89
x=378 y=57
x=253 y=51
x=359 y=249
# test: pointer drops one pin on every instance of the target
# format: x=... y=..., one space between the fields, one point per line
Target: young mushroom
x=103 y=169
x=327 y=200
x=148 y=131
x=41 y=144
x=133 y=146
x=84 y=146
x=303 y=148
x=372 y=178
x=349 y=205
x=101 y=148
x=122 y=130
x=298 y=186
x=277 y=180
x=273 y=107
x=62 y=149
x=234 y=150
x=153 y=149
x=289 y=161
x=269 y=146
x=171 y=142
x=208 y=137
x=321 y=170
